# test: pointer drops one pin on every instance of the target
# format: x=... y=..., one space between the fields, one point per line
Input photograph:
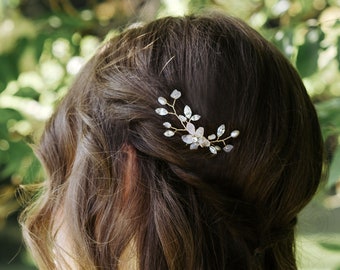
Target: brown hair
x=115 y=182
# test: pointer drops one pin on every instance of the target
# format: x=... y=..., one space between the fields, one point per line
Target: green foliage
x=43 y=46
x=330 y=246
x=329 y=116
x=308 y=52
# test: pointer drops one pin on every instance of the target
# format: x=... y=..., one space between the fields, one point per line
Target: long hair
x=116 y=185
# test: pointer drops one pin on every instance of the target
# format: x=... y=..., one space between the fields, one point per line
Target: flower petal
x=188 y=139
x=203 y=142
x=190 y=128
x=194 y=146
x=199 y=132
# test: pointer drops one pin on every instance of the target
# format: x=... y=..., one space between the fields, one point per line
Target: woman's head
x=117 y=183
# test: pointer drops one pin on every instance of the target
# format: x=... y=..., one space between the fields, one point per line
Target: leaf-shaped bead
x=220 y=130
x=217 y=147
x=169 y=133
x=162 y=100
x=161 y=111
x=195 y=117
x=167 y=124
x=213 y=150
x=187 y=111
x=212 y=137
x=234 y=133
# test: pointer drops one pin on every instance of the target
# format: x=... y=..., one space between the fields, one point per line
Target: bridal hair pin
x=195 y=137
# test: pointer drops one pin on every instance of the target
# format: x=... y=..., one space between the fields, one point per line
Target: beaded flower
x=195 y=136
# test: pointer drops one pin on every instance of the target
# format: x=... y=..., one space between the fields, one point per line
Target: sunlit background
x=44 y=43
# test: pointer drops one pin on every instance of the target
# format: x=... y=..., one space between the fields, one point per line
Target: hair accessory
x=195 y=137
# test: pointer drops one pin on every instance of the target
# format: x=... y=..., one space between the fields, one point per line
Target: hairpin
x=195 y=137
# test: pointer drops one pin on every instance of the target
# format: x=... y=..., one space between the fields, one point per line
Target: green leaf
x=9 y=70
x=7 y=114
x=308 y=53
x=338 y=56
x=334 y=170
x=33 y=172
x=330 y=246
x=284 y=41
x=329 y=116
x=14 y=157
x=28 y=92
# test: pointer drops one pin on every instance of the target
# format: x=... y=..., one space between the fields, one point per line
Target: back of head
x=118 y=184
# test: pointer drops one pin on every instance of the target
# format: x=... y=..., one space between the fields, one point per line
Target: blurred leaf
x=13 y=158
x=308 y=53
x=38 y=44
x=284 y=41
x=197 y=4
x=6 y=114
x=27 y=92
x=329 y=116
x=330 y=246
x=338 y=54
x=72 y=22
x=34 y=172
x=9 y=70
x=334 y=170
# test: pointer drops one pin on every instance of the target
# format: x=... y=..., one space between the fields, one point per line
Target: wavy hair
x=119 y=193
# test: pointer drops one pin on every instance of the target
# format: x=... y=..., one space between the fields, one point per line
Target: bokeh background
x=43 y=44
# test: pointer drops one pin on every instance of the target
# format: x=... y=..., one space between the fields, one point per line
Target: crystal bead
x=218 y=148
x=175 y=94
x=213 y=150
x=204 y=142
x=212 y=137
x=195 y=117
x=234 y=133
x=167 y=124
x=182 y=118
x=161 y=111
x=228 y=148
x=162 y=100
x=169 y=133
x=220 y=130
x=187 y=111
